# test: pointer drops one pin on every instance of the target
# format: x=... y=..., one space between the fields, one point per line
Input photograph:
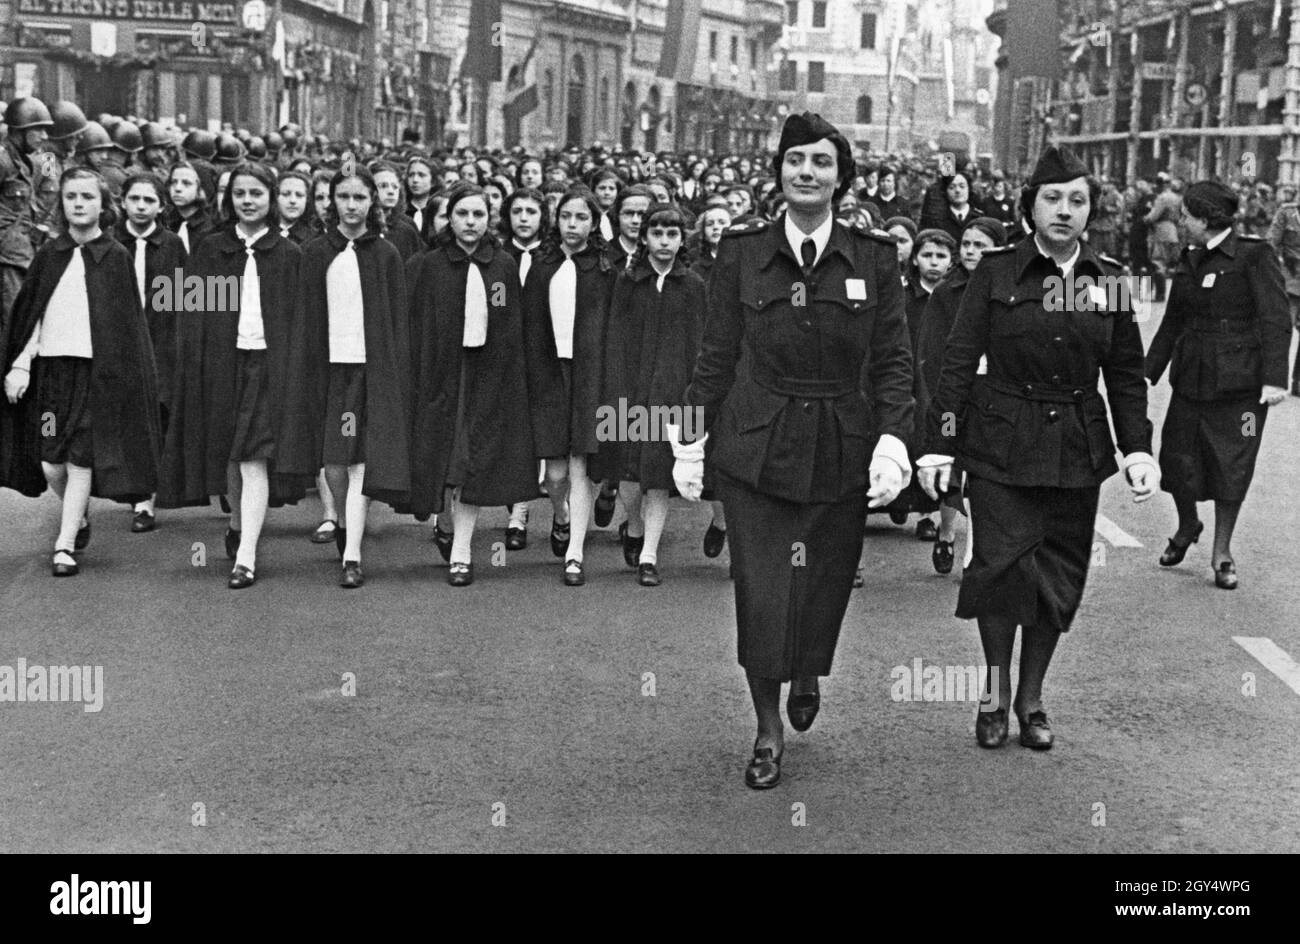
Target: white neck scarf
x=476 y=308
x=563 y=297
x=140 y=247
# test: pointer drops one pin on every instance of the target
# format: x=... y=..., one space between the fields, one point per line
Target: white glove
x=934 y=473
x=1143 y=474
x=688 y=469
x=886 y=478
x=1272 y=395
x=16 y=382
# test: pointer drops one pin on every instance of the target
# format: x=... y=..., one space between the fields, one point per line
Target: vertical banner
x=483 y=45
x=681 y=40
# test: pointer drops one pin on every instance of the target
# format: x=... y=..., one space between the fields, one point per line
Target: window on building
x=713 y=46
x=868 y=31
x=864 y=109
x=753 y=54
x=735 y=50
x=791 y=12
x=816 y=76
x=548 y=92
x=819 y=14
x=788 y=78
x=604 y=101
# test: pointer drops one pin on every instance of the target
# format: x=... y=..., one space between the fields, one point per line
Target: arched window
x=604 y=102
x=864 y=109
x=548 y=92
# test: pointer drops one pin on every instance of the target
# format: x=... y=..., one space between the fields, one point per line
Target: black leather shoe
x=764 y=770
x=232 y=543
x=1175 y=552
x=241 y=577
x=461 y=575
x=926 y=530
x=604 y=510
x=898 y=517
x=324 y=532
x=991 y=728
x=715 y=539
x=142 y=522
x=340 y=540
x=573 y=576
x=443 y=540
x=516 y=539
x=83 y=536
x=1035 y=732
x=63 y=565
x=1225 y=578
x=647 y=575
x=559 y=539
x=631 y=546
x=352 y=576
x=942 y=557
x=801 y=708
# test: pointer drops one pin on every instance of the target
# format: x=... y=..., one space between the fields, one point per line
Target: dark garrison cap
x=1207 y=196
x=1056 y=166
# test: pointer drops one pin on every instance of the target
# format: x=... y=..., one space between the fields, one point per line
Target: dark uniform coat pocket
x=989 y=428
x=1239 y=366
x=745 y=430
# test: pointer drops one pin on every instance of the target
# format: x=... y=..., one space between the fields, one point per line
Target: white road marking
x=1114 y=533
x=1273 y=657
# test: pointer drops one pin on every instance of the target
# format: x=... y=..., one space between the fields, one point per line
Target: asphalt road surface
x=520 y=715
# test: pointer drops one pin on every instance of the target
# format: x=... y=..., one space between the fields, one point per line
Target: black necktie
x=809 y=253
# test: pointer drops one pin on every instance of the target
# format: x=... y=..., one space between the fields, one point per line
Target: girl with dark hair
x=292 y=199
x=81 y=409
x=302 y=166
x=949 y=205
x=352 y=376
x=524 y=218
x=904 y=232
x=156 y=253
x=395 y=226
x=189 y=214
x=472 y=442
x=606 y=185
x=566 y=305
x=233 y=383
x=656 y=319
x=419 y=187
x=320 y=199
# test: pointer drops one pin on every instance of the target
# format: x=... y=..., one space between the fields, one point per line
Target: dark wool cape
x=300 y=443
x=502 y=463
x=124 y=396
x=651 y=345
x=163 y=256
x=201 y=427
x=564 y=415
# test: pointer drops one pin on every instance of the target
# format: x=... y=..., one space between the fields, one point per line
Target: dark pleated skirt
x=63 y=394
x=794 y=566
x=345 y=415
x=565 y=434
x=1208 y=449
x=458 y=467
x=254 y=437
x=1032 y=547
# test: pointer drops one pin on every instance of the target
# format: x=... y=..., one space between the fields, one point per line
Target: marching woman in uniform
x=81 y=410
x=805 y=365
x=155 y=253
x=566 y=304
x=656 y=320
x=1033 y=435
x=471 y=441
x=348 y=409
x=233 y=371
x=1227 y=333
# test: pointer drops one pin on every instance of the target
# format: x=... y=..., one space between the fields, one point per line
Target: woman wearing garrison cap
x=1033 y=436
x=805 y=346
x=1227 y=333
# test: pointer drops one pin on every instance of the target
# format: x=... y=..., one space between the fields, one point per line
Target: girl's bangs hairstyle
x=456 y=195
x=205 y=189
x=375 y=218
x=580 y=192
x=263 y=175
x=666 y=215
x=525 y=193
x=145 y=178
x=107 y=213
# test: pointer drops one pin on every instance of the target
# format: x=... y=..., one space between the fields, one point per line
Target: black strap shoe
x=63 y=564
x=241 y=577
x=232 y=543
x=647 y=575
x=801 y=708
x=942 y=557
x=559 y=539
x=83 y=536
x=926 y=530
x=991 y=728
x=604 y=510
x=1035 y=732
x=573 y=576
x=1225 y=578
x=1175 y=552
x=324 y=532
x=461 y=575
x=142 y=522
x=516 y=539
x=715 y=539
x=631 y=546
x=764 y=770
x=352 y=576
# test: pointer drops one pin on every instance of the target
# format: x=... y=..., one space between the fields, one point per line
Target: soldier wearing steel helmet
x=158 y=152
x=29 y=122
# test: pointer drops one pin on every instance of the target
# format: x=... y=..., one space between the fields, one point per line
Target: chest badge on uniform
x=856 y=289
x=1097 y=293
x=1208 y=281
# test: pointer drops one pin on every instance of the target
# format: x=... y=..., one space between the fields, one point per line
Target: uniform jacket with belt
x=1037 y=417
x=1227 y=327
x=1284 y=237
x=798 y=377
x=20 y=206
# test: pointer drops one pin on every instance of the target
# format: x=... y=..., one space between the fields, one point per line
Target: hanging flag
x=1277 y=17
x=483 y=44
x=1173 y=31
x=948 y=76
x=681 y=40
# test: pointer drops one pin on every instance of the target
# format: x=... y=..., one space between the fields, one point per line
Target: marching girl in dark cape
x=656 y=322
x=78 y=350
x=297 y=211
x=565 y=310
x=164 y=257
x=348 y=409
x=190 y=216
x=233 y=375
x=472 y=441
x=398 y=228
x=419 y=191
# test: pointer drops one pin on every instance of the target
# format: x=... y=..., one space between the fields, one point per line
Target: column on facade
x=1228 y=89
x=1289 y=166
x=1135 y=109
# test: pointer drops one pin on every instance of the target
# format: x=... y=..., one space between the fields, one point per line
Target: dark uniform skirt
x=794 y=565
x=345 y=415
x=254 y=437
x=1032 y=547
x=458 y=468
x=63 y=392
x=1208 y=449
